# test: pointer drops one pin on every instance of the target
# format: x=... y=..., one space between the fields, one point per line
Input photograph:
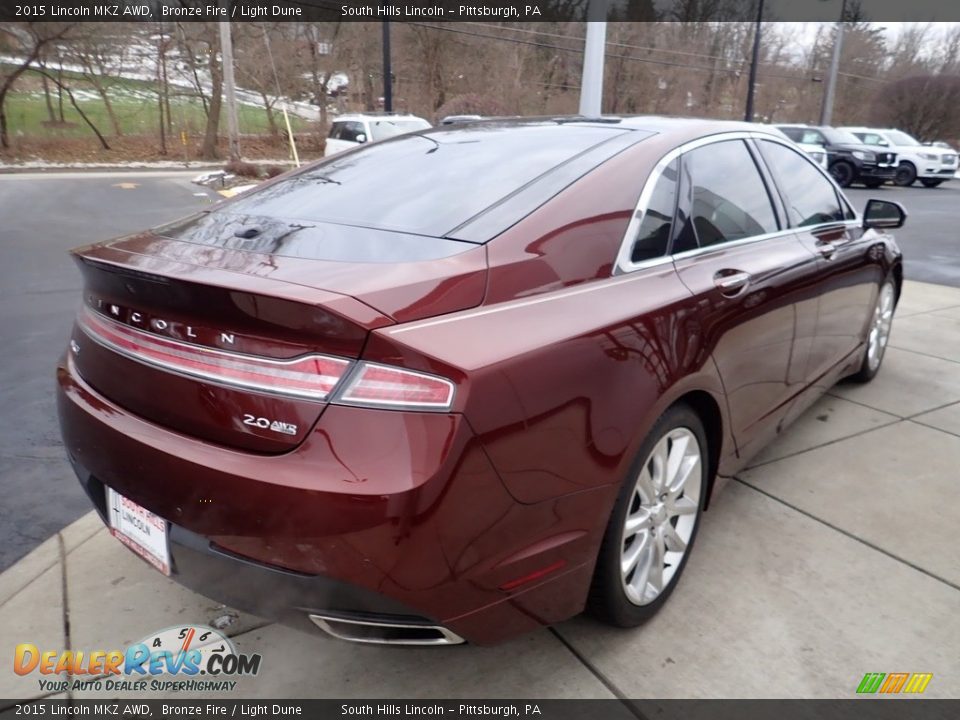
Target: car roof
x=681 y=129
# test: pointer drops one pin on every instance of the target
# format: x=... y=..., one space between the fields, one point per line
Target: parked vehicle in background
x=458 y=119
x=849 y=160
x=348 y=131
x=462 y=383
x=915 y=161
x=817 y=152
x=941 y=144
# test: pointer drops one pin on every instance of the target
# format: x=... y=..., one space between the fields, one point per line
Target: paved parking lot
x=831 y=557
x=929 y=239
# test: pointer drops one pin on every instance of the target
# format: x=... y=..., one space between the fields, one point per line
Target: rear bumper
x=270 y=592
x=378 y=514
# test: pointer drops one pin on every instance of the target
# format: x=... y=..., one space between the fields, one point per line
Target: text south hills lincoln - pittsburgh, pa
x=401 y=10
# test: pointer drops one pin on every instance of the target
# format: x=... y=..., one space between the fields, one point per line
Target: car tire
x=659 y=507
x=930 y=182
x=873 y=184
x=843 y=172
x=906 y=174
x=878 y=335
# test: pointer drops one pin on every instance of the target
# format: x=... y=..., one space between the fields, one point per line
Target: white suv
x=930 y=165
x=348 y=131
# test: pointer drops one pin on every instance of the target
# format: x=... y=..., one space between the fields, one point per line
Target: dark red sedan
x=464 y=383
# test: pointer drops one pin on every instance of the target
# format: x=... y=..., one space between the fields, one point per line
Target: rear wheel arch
x=708 y=410
x=897 y=273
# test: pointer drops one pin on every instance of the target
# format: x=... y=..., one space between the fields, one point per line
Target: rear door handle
x=730 y=282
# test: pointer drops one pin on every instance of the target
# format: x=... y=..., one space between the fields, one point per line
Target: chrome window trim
x=623 y=264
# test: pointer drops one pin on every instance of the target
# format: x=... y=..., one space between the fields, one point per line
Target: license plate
x=139 y=529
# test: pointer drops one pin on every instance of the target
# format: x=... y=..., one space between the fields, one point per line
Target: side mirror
x=884 y=214
x=361 y=138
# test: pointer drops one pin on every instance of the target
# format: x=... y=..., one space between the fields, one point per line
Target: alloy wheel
x=880 y=327
x=662 y=516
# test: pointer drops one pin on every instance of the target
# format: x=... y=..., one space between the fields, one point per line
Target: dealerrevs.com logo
x=182 y=658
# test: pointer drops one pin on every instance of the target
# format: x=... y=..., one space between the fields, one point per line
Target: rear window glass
x=383 y=129
x=424 y=184
x=346 y=130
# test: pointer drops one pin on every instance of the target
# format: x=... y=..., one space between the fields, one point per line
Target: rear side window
x=810 y=198
x=653 y=233
x=424 y=184
x=793 y=133
x=871 y=139
x=728 y=198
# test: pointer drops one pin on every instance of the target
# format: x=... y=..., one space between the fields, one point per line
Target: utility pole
x=591 y=82
x=387 y=70
x=752 y=83
x=229 y=84
x=161 y=52
x=826 y=112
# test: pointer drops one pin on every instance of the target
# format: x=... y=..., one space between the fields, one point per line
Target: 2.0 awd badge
x=268 y=424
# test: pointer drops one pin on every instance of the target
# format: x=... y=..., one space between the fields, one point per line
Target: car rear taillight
x=385 y=386
x=312 y=376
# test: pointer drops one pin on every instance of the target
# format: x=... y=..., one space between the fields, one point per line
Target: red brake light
x=312 y=377
x=384 y=386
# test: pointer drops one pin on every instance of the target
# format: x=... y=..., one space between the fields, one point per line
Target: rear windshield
x=424 y=184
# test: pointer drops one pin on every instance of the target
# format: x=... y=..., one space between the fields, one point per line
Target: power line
x=617 y=56
x=609 y=42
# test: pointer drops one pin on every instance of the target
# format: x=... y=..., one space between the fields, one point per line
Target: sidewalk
x=834 y=555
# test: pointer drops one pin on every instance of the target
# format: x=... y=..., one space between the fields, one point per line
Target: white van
x=348 y=131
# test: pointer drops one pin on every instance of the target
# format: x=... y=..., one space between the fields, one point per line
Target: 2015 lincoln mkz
x=463 y=383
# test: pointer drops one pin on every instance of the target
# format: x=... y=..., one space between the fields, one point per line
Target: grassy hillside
x=134 y=103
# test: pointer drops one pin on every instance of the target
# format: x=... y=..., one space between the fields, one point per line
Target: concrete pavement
x=832 y=556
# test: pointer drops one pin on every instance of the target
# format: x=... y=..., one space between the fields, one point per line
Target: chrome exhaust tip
x=384 y=632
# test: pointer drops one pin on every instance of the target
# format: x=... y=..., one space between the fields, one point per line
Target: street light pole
x=752 y=83
x=826 y=111
x=591 y=82
x=387 y=70
x=229 y=85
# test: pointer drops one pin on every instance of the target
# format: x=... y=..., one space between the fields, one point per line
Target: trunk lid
x=161 y=308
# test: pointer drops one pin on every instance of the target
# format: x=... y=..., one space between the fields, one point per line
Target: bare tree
x=322 y=41
x=30 y=40
x=923 y=105
x=199 y=45
x=100 y=55
x=59 y=82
